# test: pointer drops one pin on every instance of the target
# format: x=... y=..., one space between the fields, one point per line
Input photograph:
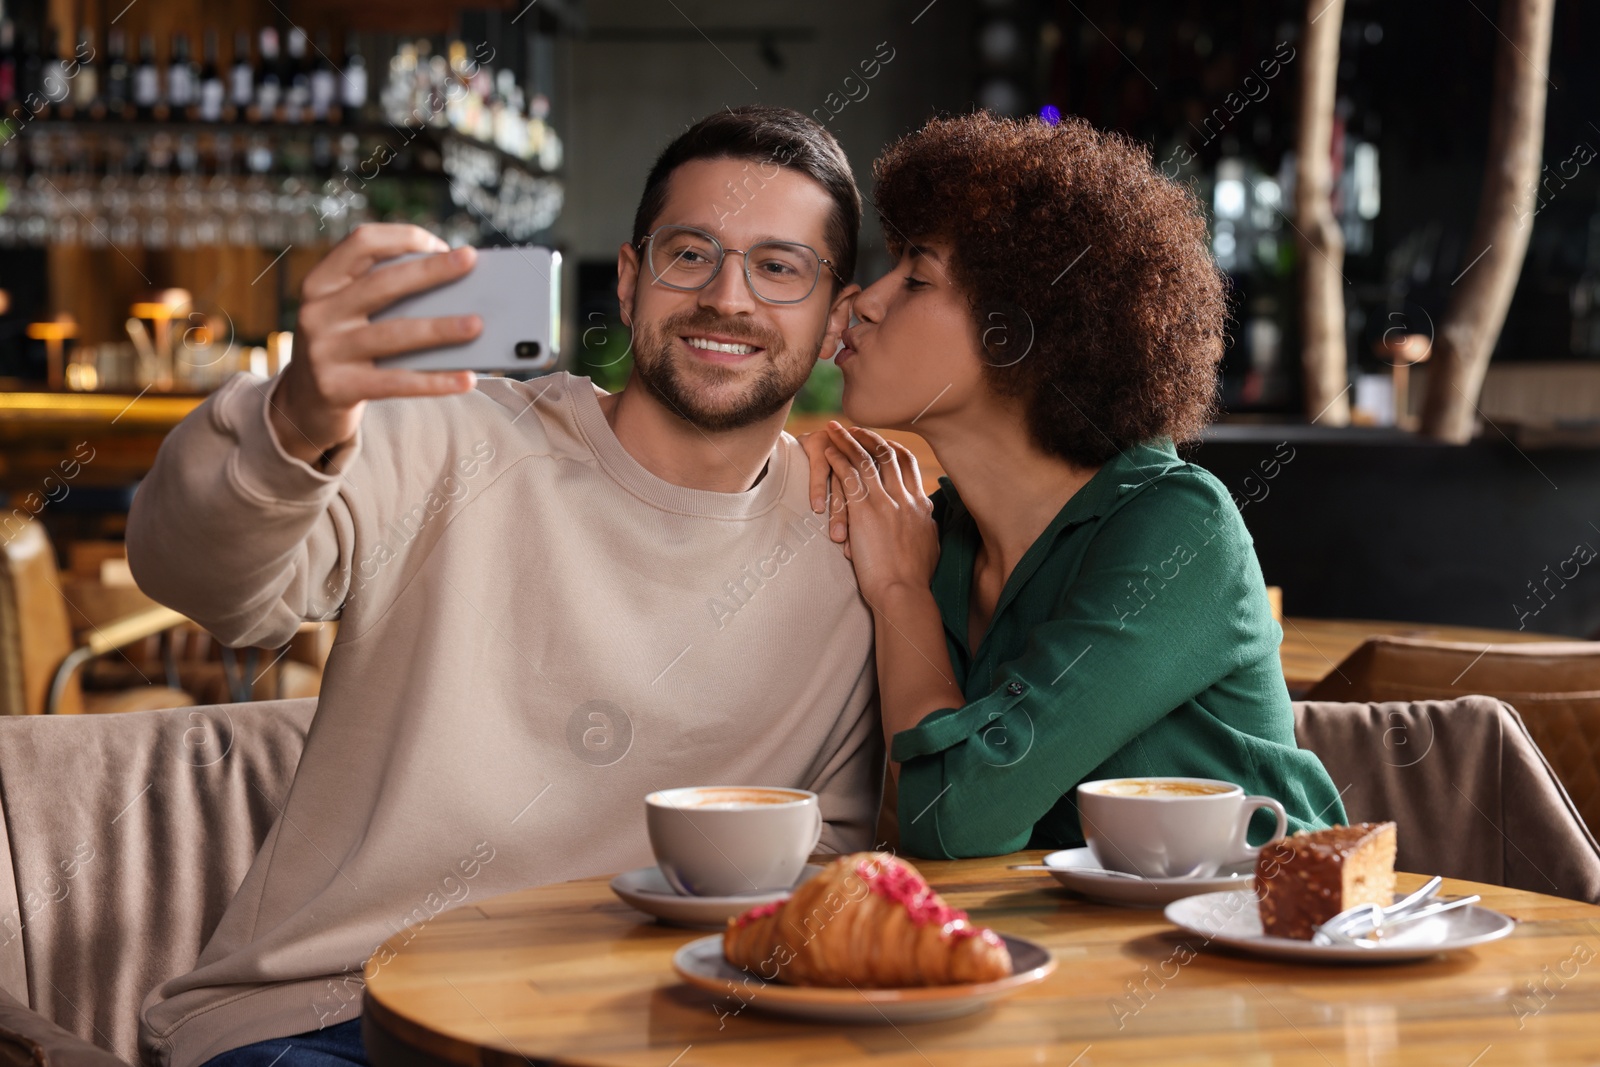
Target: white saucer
x=701 y=963
x=1077 y=869
x=1232 y=919
x=647 y=890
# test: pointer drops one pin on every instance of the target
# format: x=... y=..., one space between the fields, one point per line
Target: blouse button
x=1016 y=689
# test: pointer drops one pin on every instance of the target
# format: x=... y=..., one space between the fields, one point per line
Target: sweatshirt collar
x=583 y=399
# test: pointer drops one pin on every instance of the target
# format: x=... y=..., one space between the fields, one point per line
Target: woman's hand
x=893 y=540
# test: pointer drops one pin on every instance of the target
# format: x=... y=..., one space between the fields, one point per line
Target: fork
x=1355 y=918
x=1351 y=934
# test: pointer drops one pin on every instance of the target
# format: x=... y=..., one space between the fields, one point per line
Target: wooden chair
x=1555 y=687
x=39 y=657
x=99 y=586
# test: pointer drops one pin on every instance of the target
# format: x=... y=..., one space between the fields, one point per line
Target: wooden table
x=1313 y=647
x=567 y=973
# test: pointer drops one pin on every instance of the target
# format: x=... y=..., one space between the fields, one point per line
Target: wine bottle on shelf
x=455 y=96
x=119 y=76
x=353 y=82
x=241 y=79
x=269 y=85
x=296 y=78
x=182 y=89
x=482 y=83
x=399 y=92
x=538 y=108
x=146 y=79
x=501 y=117
x=8 y=61
x=324 y=84
x=212 y=95
x=86 y=86
x=55 y=87
x=437 y=83
x=30 y=69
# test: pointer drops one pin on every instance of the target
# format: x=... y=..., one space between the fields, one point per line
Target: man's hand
x=325 y=388
x=825 y=489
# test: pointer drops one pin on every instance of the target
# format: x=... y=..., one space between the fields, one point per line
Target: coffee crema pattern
x=1140 y=787
x=734 y=799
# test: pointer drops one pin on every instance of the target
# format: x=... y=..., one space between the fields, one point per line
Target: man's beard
x=697 y=391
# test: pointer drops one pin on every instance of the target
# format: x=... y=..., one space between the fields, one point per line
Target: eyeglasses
x=779 y=272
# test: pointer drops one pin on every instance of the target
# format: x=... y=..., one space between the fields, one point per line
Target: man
x=552 y=600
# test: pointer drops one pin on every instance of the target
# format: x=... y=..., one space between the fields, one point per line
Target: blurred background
x=169 y=171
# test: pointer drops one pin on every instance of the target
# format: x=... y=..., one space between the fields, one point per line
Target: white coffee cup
x=730 y=841
x=1162 y=827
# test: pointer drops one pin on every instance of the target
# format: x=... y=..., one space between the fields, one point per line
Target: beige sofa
x=126 y=835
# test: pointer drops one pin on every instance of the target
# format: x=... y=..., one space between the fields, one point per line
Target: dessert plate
x=701 y=963
x=647 y=890
x=1077 y=869
x=1232 y=920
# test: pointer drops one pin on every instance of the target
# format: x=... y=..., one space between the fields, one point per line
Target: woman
x=1075 y=602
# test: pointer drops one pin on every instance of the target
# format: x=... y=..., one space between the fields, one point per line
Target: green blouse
x=1134 y=638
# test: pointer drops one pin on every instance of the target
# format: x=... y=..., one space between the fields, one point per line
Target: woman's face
x=915 y=354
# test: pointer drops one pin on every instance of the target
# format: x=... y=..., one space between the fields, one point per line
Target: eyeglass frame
x=722 y=255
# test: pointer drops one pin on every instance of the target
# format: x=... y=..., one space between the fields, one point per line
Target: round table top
x=567 y=973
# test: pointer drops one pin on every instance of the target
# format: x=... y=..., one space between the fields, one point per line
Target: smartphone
x=515 y=291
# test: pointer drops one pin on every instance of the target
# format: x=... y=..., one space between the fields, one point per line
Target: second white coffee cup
x=729 y=841
x=1171 y=827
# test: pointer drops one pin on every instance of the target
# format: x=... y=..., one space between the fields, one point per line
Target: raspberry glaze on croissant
x=867 y=920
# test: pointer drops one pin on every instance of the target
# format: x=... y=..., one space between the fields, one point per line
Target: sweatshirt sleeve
x=235 y=533
x=849 y=779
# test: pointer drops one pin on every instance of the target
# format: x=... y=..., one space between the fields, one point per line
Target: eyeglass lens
x=685 y=258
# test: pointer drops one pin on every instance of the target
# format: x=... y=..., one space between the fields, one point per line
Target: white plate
x=647 y=890
x=1232 y=919
x=701 y=963
x=1070 y=870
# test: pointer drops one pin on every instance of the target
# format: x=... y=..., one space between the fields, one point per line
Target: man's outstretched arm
x=242 y=524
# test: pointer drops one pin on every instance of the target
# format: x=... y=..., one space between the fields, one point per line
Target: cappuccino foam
x=1140 y=787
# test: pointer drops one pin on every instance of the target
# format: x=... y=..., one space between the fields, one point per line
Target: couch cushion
x=128 y=835
x=28 y=1039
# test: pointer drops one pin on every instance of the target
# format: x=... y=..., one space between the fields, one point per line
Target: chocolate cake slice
x=1308 y=878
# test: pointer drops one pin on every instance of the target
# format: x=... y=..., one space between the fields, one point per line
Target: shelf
x=398 y=138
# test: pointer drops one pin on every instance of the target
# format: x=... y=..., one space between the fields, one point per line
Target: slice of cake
x=1306 y=879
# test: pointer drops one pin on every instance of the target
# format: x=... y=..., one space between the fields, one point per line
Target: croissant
x=867 y=920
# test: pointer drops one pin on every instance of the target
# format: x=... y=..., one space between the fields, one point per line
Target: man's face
x=740 y=202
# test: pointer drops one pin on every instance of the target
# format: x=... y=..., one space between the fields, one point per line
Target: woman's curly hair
x=1087 y=271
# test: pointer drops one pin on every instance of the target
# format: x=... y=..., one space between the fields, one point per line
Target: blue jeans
x=333 y=1046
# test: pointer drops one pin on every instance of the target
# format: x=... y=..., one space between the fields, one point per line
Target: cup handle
x=816 y=835
x=670 y=873
x=1243 y=850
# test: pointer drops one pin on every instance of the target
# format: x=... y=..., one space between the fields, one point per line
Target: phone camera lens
x=528 y=349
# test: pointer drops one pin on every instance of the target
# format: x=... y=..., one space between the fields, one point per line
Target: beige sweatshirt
x=535 y=632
